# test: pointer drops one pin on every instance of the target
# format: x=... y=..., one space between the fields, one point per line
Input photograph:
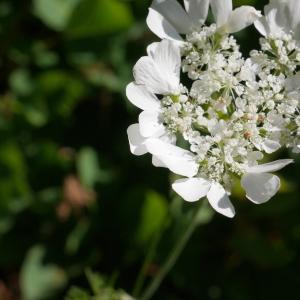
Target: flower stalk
x=173 y=257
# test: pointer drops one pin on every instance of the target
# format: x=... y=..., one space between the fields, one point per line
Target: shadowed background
x=73 y=198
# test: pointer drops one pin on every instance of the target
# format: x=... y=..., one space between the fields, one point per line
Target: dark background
x=72 y=197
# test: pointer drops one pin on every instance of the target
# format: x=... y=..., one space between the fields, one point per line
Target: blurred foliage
x=72 y=196
x=101 y=290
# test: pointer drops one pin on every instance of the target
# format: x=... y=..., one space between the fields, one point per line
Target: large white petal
x=146 y=73
x=151 y=49
x=220 y=201
x=178 y=160
x=270 y=167
x=197 y=10
x=150 y=124
x=161 y=27
x=221 y=10
x=294 y=13
x=191 y=189
x=174 y=14
x=270 y=146
x=262 y=26
x=297 y=33
x=160 y=72
x=273 y=18
x=183 y=166
x=157 y=162
x=139 y=96
x=159 y=147
x=260 y=188
x=167 y=57
x=241 y=18
x=293 y=83
x=276 y=19
x=136 y=141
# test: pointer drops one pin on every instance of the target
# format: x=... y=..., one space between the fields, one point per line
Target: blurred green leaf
x=59 y=91
x=76 y=237
x=5 y=224
x=88 y=167
x=100 y=288
x=78 y=294
x=95 y=17
x=14 y=188
x=205 y=214
x=54 y=13
x=153 y=215
x=39 y=281
x=35 y=116
x=21 y=82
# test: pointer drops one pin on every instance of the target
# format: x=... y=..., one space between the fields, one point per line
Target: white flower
x=136 y=140
x=160 y=70
x=149 y=123
x=232 y=113
x=156 y=73
x=230 y=21
x=176 y=159
x=267 y=145
x=259 y=184
x=193 y=189
x=281 y=16
x=168 y=19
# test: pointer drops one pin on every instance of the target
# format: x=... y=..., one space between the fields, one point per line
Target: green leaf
x=60 y=91
x=88 y=167
x=35 y=116
x=76 y=237
x=14 y=187
x=95 y=17
x=54 y=13
x=153 y=215
x=21 y=82
x=78 y=294
x=39 y=281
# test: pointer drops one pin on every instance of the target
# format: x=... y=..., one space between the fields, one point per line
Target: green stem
x=172 y=258
x=149 y=257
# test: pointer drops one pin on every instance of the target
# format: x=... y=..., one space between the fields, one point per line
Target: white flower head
x=233 y=113
x=281 y=16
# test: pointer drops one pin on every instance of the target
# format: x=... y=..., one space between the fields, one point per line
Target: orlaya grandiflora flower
x=150 y=125
x=157 y=73
x=260 y=185
x=229 y=20
x=168 y=19
x=281 y=16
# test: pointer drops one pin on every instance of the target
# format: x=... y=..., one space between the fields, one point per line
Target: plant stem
x=172 y=258
x=149 y=257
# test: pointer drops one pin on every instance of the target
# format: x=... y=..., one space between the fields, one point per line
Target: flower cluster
x=232 y=111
